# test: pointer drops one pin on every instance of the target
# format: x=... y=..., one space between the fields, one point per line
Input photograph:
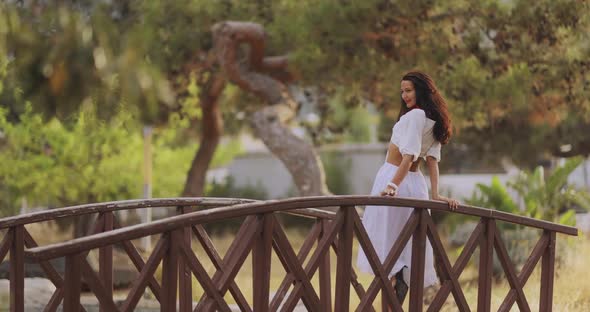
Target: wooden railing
x=260 y=234
x=17 y=238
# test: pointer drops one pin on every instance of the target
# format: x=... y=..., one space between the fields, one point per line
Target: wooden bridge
x=260 y=234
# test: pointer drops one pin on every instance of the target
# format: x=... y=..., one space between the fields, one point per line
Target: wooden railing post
x=257 y=237
x=170 y=272
x=418 y=259
x=72 y=283
x=486 y=259
x=185 y=276
x=301 y=256
x=17 y=270
x=105 y=258
x=344 y=260
x=547 y=273
x=261 y=263
x=324 y=271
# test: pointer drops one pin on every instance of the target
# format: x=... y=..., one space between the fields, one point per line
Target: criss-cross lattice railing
x=17 y=239
x=261 y=233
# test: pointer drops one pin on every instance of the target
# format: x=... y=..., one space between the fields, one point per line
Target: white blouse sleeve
x=411 y=140
x=434 y=150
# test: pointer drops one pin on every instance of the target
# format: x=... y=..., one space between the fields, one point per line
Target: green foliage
x=494 y=196
x=513 y=72
x=229 y=189
x=337 y=175
x=172 y=155
x=510 y=70
x=90 y=160
x=546 y=197
x=347 y=122
x=82 y=59
x=52 y=165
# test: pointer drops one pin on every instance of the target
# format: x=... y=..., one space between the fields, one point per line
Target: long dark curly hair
x=429 y=99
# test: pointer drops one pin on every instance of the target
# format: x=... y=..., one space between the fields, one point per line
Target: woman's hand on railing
x=453 y=203
x=389 y=191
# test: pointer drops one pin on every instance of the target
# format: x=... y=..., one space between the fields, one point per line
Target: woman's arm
x=432 y=165
x=403 y=169
x=399 y=176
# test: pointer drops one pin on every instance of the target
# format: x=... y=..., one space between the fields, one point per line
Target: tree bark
x=212 y=128
x=266 y=77
x=298 y=156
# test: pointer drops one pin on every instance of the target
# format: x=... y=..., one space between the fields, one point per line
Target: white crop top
x=412 y=134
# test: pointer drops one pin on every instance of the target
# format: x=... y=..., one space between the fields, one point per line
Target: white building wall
x=581 y=176
x=263 y=168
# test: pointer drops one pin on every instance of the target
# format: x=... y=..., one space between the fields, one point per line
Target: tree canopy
x=515 y=73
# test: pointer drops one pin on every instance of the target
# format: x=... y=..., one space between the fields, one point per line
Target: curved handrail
x=72 y=211
x=136 y=231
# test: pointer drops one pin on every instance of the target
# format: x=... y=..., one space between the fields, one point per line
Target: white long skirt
x=384 y=224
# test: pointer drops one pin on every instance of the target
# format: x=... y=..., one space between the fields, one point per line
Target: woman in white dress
x=423 y=126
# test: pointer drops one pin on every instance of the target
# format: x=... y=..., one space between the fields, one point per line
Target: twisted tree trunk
x=212 y=129
x=266 y=77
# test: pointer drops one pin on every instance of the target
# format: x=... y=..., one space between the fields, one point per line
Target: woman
x=423 y=126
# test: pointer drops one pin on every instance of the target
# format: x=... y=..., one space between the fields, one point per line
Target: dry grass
x=572 y=280
x=49 y=232
x=571 y=289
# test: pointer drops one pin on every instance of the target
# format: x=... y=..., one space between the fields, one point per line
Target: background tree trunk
x=212 y=129
x=266 y=77
x=298 y=156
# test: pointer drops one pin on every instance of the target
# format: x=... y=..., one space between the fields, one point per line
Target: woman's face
x=408 y=93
